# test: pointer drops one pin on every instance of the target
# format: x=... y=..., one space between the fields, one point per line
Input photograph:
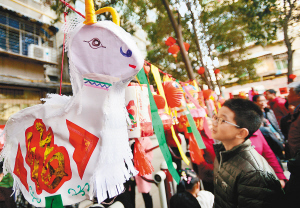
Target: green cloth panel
x=54 y=201
x=195 y=131
x=159 y=128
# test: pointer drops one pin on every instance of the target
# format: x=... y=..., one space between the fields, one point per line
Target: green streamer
x=159 y=128
x=195 y=131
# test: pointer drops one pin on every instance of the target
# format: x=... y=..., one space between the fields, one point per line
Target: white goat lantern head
x=73 y=148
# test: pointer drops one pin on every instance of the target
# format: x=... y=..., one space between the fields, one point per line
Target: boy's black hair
x=247 y=114
x=254 y=99
x=271 y=91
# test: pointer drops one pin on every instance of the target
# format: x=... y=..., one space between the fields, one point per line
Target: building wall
x=15 y=97
x=21 y=68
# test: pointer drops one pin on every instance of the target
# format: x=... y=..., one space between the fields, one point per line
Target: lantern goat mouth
x=132 y=66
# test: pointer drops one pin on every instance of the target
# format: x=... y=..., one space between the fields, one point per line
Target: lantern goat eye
x=95 y=43
x=127 y=54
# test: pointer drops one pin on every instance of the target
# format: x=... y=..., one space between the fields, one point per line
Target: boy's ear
x=243 y=133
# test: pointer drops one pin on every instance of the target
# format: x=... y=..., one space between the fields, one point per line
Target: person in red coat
x=277 y=104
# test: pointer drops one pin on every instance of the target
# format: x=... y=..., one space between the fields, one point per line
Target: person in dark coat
x=242 y=177
x=292 y=188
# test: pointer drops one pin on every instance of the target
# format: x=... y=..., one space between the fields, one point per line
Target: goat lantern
x=73 y=148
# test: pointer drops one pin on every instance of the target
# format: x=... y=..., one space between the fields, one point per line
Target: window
x=17 y=34
x=281 y=66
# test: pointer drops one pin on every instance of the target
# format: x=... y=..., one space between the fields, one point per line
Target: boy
x=242 y=177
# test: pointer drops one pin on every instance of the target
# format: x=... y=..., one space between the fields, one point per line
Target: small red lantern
x=217 y=71
x=170 y=41
x=292 y=76
x=201 y=70
x=174 y=49
x=186 y=46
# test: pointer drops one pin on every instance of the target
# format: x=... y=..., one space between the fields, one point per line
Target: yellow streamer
x=157 y=79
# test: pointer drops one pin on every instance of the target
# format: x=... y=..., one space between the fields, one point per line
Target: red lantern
x=174 y=49
x=292 y=76
x=173 y=94
x=186 y=46
x=170 y=41
x=217 y=71
x=159 y=101
x=201 y=70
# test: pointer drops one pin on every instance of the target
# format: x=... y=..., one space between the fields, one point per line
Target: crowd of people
x=252 y=139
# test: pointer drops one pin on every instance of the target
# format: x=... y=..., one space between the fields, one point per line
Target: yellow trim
x=33 y=9
x=114 y=13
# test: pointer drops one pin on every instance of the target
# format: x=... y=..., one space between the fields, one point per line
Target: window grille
x=17 y=34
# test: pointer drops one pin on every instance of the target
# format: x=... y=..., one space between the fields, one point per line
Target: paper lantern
x=170 y=41
x=159 y=101
x=173 y=94
x=138 y=105
x=60 y=156
x=292 y=76
x=217 y=71
x=201 y=70
x=174 y=49
x=186 y=46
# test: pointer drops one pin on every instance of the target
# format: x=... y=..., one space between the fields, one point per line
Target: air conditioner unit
x=35 y=51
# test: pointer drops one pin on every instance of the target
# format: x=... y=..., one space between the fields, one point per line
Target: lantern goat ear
x=114 y=14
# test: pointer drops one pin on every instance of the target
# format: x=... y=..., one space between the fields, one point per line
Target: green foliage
x=234 y=25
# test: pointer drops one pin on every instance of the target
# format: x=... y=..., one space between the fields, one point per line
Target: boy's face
x=224 y=131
